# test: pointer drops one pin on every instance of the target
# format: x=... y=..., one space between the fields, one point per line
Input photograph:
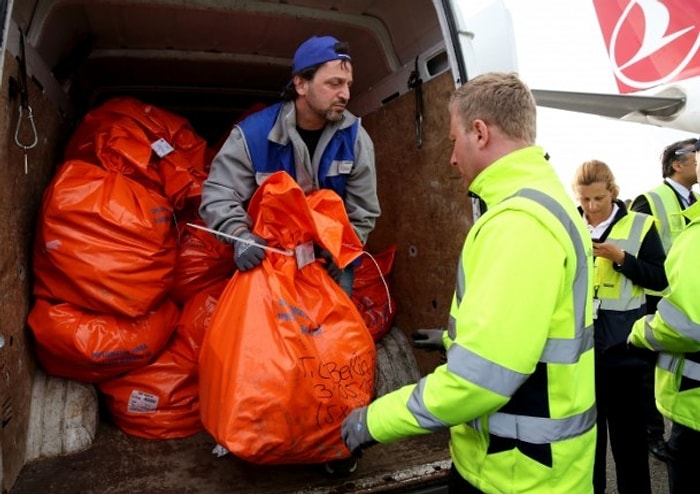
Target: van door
x=478 y=37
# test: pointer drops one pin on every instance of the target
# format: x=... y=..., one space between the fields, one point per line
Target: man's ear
x=300 y=84
x=481 y=131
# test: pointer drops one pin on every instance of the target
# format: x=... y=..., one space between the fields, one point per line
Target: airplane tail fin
x=650 y=42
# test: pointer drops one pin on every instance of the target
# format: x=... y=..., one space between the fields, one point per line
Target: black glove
x=247 y=255
x=354 y=432
x=428 y=339
x=333 y=270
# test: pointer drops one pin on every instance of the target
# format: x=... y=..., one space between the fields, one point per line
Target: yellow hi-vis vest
x=674 y=330
x=615 y=290
x=668 y=213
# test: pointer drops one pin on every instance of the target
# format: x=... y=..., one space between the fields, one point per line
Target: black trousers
x=620 y=402
x=655 y=421
x=684 y=460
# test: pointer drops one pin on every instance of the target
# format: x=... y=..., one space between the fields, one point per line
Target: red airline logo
x=650 y=42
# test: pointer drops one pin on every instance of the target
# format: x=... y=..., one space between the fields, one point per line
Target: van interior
x=209 y=62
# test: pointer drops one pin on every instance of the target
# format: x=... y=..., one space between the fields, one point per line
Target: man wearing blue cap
x=313 y=137
x=310 y=135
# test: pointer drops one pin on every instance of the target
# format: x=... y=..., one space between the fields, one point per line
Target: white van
x=209 y=61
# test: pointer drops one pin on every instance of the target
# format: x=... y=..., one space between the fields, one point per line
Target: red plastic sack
x=91 y=347
x=287 y=355
x=161 y=399
x=371 y=295
x=104 y=242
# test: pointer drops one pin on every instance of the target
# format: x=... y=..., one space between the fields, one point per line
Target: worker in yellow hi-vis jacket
x=517 y=391
x=674 y=331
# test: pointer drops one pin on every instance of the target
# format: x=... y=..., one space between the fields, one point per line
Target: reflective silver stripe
x=482 y=372
x=623 y=303
x=452 y=327
x=461 y=283
x=539 y=430
x=658 y=210
x=417 y=407
x=677 y=319
x=649 y=334
x=564 y=350
x=632 y=244
x=670 y=363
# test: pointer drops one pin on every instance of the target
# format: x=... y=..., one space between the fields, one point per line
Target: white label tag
x=304 y=254
x=162 y=147
x=140 y=402
x=345 y=167
x=596 y=307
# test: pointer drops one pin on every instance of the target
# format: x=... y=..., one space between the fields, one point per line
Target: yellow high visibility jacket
x=674 y=330
x=517 y=391
x=616 y=291
x=668 y=214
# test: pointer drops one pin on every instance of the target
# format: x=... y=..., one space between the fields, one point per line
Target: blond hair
x=500 y=99
x=593 y=171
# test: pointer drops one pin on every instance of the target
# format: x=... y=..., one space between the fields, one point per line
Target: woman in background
x=628 y=257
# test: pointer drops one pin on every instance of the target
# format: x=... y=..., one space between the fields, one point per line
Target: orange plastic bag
x=157 y=145
x=161 y=399
x=104 y=242
x=287 y=355
x=91 y=347
x=372 y=296
x=202 y=261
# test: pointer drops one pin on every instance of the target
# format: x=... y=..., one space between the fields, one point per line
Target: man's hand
x=245 y=254
x=333 y=270
x=428 y=339
x=354 y=431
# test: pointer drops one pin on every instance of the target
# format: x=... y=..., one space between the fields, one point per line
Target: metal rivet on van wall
x=21 y=272
x=412 y=251
x=2 y=341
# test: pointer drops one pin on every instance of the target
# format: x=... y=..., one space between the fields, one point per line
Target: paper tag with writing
x=140 y=402
x=304 y=254
x=162 y=147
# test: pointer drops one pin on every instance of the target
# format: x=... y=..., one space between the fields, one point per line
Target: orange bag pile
x=161 y=400
x=108 y=247
x=287 y=355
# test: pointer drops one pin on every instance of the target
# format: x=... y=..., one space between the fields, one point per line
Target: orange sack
x=104 y=242
x=91 y=347
x=287 y=355
x=149 y=144
x=161 y=399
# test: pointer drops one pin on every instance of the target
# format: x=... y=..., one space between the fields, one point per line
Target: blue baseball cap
x=315 y=51
x=690 y=149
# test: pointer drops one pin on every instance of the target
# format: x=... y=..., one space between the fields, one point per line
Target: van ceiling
x=217 y=55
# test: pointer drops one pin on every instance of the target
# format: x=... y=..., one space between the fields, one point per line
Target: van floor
x=117 y=463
